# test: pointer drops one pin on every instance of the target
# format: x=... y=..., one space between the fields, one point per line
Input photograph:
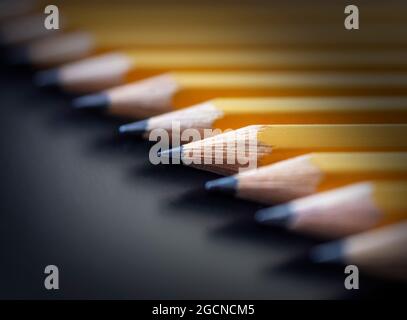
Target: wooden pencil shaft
x=164 y=59
x=380 y=251
x=128 y=18
x=182 y=89
x=293 y=140
x=103 y=71
x=325 y=12
x=48 y=51
x=387 y=198
x=344 y=211
x=234 y=113
x=350 y=209
x=247 y=35
x=340 y=169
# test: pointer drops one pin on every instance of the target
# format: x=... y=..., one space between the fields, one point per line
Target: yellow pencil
x=343 y=211
x=97 y=39
x=233 y=113
x=74 y=14
x=380 y=252
x=181 y=89
x=259 y=145
x=311 y=173
x=112 y=69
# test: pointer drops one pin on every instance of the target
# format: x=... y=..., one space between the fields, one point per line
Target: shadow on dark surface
x=173 y=174
x=135 y=217
x=112 y=145
x=199 y=201
x=369 y=285
x=66 y=118
x=246 y=230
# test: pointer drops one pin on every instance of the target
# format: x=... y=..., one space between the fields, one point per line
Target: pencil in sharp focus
x=175 y=90
x=259 y=145
x=311 y=173
x=380 y=252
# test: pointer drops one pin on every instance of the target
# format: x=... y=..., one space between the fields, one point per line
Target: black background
x=75 y=195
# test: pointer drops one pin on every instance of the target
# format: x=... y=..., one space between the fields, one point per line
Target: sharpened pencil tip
x=92 y=101
x=225 y=185
x=281 y=215
x=47 y=78
x=17 y=56
x=171 y=153
x=332 y=252
x=137 y=128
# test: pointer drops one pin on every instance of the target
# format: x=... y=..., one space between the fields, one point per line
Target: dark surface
x=74 y=195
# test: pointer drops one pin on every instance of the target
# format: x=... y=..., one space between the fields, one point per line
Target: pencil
x=311 y=173
x=175 y=90
x=74 y=16
x=136 y=15
x=278 y=10
x=259 y=145
x=252 y=11
x=382 y=251
x=112 y=69
x=99 y=39
x=343 y=211
x=233 y=113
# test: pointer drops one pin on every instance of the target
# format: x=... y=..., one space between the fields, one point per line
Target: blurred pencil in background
x=175 y=90
x=233 y=113
x=343 y=211
x=51 y=51
x=125 y=15
x=380 y=252
x=112 y=69
x=311 y=173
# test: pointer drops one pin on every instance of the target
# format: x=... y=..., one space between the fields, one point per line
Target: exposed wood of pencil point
x=381 y=251
x=266 y=144
x=304 y=175
x=342 y=211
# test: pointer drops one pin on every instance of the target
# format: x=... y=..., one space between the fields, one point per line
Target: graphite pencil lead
x=92 y=101
x=281 y=215
x=175 y=153
x=47 y=78
x=137 y=128
x=225 y=185
x=332 y=252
